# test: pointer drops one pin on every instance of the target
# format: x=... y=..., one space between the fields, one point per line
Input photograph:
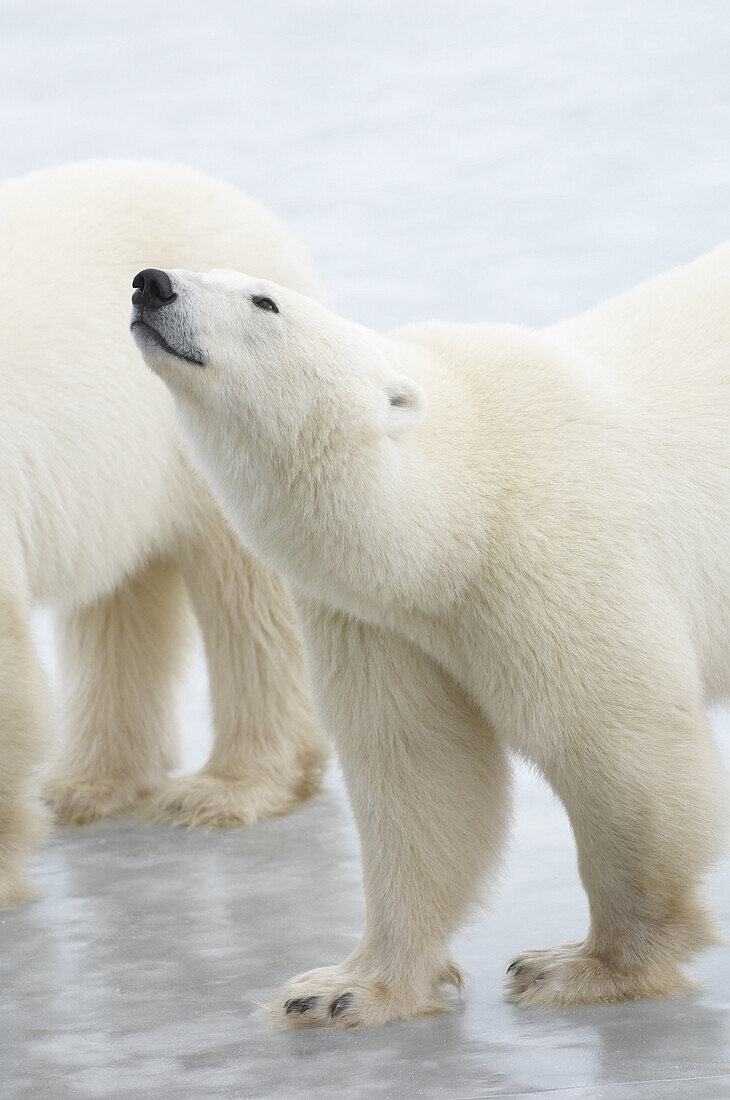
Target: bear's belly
x=92 y=483
x=77 y=550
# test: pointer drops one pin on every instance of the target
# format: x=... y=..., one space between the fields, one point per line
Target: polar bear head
x=287 y=359
x=270 y=384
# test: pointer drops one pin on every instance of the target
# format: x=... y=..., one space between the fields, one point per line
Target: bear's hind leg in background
x=119 y=659
x=430 y=790
x=643 y=792
x=268 y=754
x=23 y=725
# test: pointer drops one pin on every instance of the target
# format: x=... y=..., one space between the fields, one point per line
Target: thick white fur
x=102 y=517
x=527 y=550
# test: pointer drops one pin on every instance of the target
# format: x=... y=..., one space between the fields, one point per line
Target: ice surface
x=484 y=161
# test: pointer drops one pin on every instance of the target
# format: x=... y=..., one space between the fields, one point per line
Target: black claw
x=541 y=977
x=512 y=966
x=341 y=1004
x=300 y=1004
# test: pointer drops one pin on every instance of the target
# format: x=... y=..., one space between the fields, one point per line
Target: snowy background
x=467 y=159
x=511 y=160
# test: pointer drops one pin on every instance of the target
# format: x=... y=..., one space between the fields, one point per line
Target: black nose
x=153 y=288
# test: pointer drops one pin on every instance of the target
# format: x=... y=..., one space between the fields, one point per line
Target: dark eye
x=265 y=303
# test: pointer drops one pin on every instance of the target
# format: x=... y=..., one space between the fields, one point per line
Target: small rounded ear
x=406 y=405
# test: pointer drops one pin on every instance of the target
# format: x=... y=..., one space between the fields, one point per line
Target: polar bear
x=499 y=540
x=102 y=517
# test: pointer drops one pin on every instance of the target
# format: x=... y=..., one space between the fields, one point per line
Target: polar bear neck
x=351 y=539
x=381 y=534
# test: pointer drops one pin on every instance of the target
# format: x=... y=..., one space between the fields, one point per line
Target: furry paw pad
x=568 y=976
x=82 y=801
x=207 y=801
x=15 y=888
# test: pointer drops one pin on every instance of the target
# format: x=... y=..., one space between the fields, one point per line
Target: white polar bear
x=499 y=540
x=102 y=517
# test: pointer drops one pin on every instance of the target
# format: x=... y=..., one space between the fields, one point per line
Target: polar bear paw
x=16 y=888
x=24 y=824
x=569 y=975
x=80 y=800
x=206 y=801
x=336 y=997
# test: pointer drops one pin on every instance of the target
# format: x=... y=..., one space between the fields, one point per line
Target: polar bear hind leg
x=118 y=657
x=644 y=797
x=268 y=754
x=23 y=727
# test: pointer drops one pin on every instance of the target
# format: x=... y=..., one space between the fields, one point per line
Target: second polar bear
x=498 y=540
x=102 y=518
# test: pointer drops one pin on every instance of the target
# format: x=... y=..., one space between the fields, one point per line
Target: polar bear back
x=653 y=367
x=668 y=336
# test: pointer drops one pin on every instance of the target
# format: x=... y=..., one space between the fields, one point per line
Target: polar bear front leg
x=119 y=658
x=429 y=786
x=269 y=754
x=641 y=784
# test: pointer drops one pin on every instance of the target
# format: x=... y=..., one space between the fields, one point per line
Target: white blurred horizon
x=511 y=161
